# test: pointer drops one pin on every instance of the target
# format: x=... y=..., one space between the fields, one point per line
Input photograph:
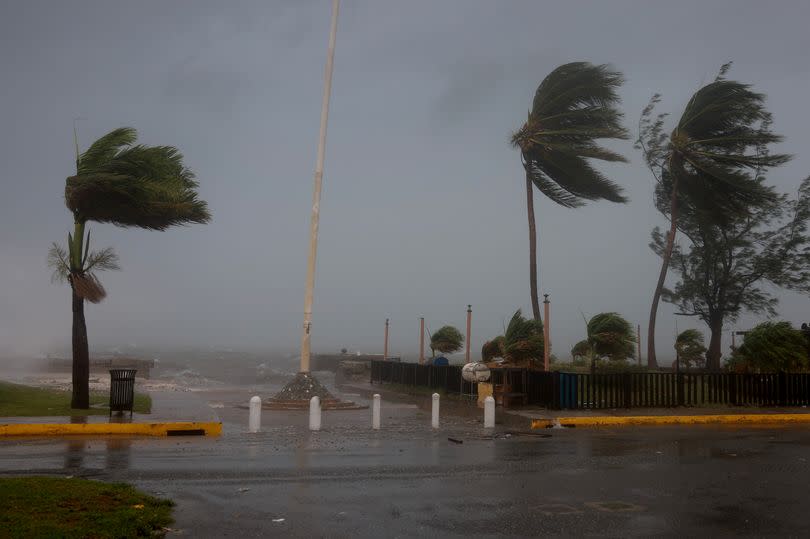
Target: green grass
x=27 y=401
x=60 y=507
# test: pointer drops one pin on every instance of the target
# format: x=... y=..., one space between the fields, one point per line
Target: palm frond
x=58 y=262
x=575 y=105
x=103 y=260
x=105 y=148
x=576 y=176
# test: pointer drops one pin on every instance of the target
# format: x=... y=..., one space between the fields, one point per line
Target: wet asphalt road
x=406 y=481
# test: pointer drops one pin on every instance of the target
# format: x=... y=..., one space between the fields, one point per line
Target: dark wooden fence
x=560 y=390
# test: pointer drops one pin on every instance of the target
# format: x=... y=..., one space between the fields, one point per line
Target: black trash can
x=122 y=390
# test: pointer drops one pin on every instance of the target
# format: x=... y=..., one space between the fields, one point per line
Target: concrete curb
x=620 y=421
x=188 y=428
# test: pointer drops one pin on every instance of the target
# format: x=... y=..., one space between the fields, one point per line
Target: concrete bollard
x=434 y=417
x=375 y=412
x=489 y=413
x=315 y=413
x=255 y=420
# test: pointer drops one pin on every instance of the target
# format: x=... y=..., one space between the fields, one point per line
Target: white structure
x=489 y=413
x=255 y=420
x=475 y=372
x=434 y=417
x=375 y=412
x=315 y=413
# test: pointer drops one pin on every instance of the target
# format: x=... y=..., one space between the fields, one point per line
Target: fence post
x=679 y=379
x=628 y=395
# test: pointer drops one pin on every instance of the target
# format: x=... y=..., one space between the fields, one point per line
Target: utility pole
x=469 y=326
x=546 y=332
x=385 y=348
x=316 y=194
x=421 y=340
x=638 y=338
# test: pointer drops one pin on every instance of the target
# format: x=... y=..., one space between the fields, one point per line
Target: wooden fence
x=560 y=390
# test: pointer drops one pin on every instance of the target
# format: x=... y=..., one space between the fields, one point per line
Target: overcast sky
x=423 y=207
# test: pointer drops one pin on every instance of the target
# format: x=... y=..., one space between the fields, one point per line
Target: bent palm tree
x=128 y=185
x=710 y=163
x=573 y=107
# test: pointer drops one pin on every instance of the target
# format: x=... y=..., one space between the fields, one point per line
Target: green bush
x=611 y=337
x=771 y=347
x=446 y=340
x=690 y=348
x=492 y=349
x=523 y=340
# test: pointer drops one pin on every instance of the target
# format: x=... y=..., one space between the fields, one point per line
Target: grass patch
x=27 y=401
x=60 y=507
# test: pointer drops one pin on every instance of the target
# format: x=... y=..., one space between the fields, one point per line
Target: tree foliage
x=580 y=350
x=446 y=340
x=133 y=185
x=492 y=349
x=730 y=268
x=771 y=347
x=612 y=337
x=716 y=153
x=690 y=348
x=523 y=340
x=574 y=106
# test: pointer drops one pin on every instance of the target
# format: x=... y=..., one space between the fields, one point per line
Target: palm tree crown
x=128 y=184
x=573 y=106
x=718 y=151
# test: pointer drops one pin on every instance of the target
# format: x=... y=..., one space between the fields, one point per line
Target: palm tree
x=709 y=164
x=128 y=185
x=610 y=336
x=573 y=107
x=446 y=340
x=523 y=340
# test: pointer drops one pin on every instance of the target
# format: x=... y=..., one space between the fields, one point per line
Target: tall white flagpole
x=316 y=195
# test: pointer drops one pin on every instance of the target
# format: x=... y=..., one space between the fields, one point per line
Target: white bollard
x=255 y=421
x=315 y=413
x=489 y=413
x=434 y=418
x=375 y=412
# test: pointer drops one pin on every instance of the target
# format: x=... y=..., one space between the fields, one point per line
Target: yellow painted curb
x=96 y=429
x=617 y=421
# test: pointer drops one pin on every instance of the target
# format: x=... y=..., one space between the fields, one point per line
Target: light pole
x=421 y=340
x=469 y=325
x=385 y=347
x=546 y=332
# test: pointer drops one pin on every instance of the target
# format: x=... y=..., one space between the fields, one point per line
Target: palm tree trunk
x=532 y=249
x=81 y=357
x=714 y=352
x=652 y=362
